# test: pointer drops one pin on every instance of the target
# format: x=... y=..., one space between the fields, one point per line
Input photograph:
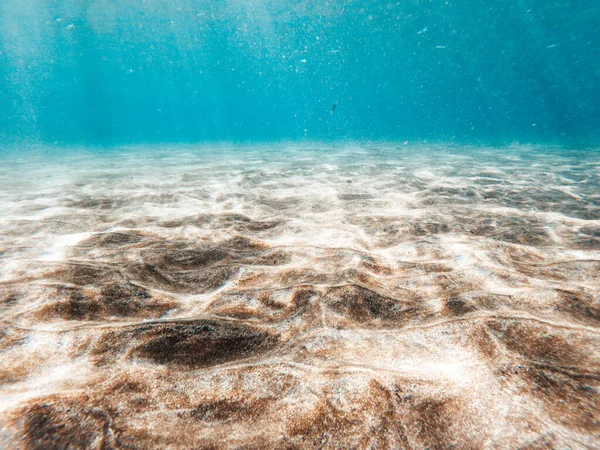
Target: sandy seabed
x=316 y=296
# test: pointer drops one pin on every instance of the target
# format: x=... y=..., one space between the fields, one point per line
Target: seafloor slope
x=300 y=297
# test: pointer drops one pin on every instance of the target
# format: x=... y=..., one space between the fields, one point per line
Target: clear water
x=104 y=71
x=277 y=224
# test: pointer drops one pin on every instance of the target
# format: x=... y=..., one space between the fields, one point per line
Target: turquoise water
x=291 y=225
x=107 y=72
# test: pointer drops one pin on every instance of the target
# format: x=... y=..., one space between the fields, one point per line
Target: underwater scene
x=280 y=224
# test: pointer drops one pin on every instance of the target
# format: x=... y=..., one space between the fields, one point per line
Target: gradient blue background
x=104 y=72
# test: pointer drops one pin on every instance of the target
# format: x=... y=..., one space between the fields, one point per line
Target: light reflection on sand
x=348 y=296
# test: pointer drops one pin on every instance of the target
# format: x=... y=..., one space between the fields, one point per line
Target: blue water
x=106 y=72
x=289 y=224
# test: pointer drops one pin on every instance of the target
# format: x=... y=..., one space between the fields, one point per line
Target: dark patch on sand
x=365 y=306
x=63 y=424
x=111 y=300
x=189 y=344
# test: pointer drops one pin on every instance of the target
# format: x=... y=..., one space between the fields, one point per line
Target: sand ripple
x=376 y=296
